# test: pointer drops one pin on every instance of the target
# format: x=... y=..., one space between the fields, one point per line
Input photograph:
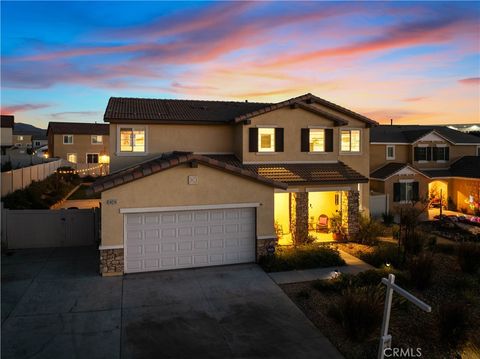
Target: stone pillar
x=263 y=244
x=353 y=211
x=111 y=262
x=300 y=227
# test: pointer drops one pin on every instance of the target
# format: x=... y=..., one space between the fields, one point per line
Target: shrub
x=421 y=270
x=301 y=257
x=359 y=311
x=374 y=277
x=383 y=254
x=388 y=218
x=415 y=242
x=469 y=257
x=333 y=285
x=454 y=322
x=368 y=230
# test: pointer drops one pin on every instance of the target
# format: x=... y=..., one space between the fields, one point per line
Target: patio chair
x=322 y=223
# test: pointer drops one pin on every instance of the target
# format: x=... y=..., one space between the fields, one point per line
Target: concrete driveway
x=55 y=305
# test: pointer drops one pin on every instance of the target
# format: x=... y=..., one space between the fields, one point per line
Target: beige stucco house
x=79 y=142
x=423 y=162
x=200 y=183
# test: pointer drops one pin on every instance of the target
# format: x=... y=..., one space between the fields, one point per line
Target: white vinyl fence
x=22 y=177
x=378 y=204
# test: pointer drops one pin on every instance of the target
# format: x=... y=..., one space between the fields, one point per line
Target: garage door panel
x=183 y=239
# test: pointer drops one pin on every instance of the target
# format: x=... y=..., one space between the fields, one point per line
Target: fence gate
x=42 y=228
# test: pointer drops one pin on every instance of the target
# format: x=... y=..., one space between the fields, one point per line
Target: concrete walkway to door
x=55 y=305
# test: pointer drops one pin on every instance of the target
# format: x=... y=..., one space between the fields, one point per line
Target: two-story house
x=413 y=162
x=78 y=142
x=7 y=122
x=201 y=183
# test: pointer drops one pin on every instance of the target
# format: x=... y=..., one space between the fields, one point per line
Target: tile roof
x=170 y=160
x=299 y=173
x=79 y=128
x=120 y=109
x=411 y=133
x=7 y=121
x=466 y=166
x=390 y=169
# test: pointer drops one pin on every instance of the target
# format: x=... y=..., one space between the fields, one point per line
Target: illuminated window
x=132 y=140
x=67 y=139
x=72 y=157
x=92 y=157
x=97 y=139
x=317 y=140
x=266 y=140
x=20 y=138
x=350 y=140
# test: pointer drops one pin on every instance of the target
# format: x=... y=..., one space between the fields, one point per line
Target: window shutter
x=253 y=139
x=278 y=139
x=415 y=153
x=396 y=192
x=305 y=140
x=447 y=153
x=435 y=153
x=415 y=194
x=429 y=153
x=329 y=140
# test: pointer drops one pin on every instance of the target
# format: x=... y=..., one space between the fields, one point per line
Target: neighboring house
x=7 y=122
x=82 y=143
x=22 y=140
x=39 y=140
x=201 y=183
x=420 y=162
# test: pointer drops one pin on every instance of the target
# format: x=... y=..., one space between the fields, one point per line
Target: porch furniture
x=322 y=224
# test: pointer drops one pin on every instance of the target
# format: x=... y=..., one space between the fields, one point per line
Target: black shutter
x=253 y=139
x=278 y=139
x=329 y=140
x=415 y=153
x=305 y=140
x=429 y=153
x=435 y=153
x=415 y=194
x=396 y=192
x=447 y=153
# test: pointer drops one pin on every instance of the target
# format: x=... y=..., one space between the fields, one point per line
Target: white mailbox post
x=385 y=338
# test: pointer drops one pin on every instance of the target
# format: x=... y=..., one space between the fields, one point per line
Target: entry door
x=185 y=239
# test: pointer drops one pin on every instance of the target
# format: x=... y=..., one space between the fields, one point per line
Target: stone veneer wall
x=263 y=244
x=111 y=262
x=301 y=218
x=353 y=199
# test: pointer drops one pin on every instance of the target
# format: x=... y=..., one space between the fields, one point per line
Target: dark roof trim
x=309 y=97
x=375 y=174
x=78 y=128
x=172 y=160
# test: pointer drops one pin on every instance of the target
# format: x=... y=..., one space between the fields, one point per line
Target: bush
x=369 y=230
x=421 y=271
x=469 y=257
x=359 y=311
x=383 y=254
x=454 y=322
x=333 y=285
x=301 y=257
x=414 y=243
x=388 y=218
x=374 y=277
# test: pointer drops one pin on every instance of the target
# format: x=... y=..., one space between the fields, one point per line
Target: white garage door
x=184 y=239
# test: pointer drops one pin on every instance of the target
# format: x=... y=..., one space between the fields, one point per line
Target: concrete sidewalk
x=354 y=266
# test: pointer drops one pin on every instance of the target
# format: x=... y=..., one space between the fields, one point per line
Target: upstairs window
x=350 y=140
x=441 y=153
x=132 y=140
x=390 y=152
x=67 y=139
x=20 y=138
x=266 y=140
x=317 y=140
x=97 y=139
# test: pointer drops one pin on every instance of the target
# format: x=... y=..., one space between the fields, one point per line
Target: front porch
x=315 y=213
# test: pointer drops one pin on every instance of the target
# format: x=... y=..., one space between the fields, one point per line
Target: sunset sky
x=418 y=63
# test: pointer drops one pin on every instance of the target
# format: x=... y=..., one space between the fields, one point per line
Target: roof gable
x=432 y=136
x=408 y=134
x=391 y=169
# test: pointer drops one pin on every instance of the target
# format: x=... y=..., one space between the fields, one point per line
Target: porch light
x=45 y=155
x=387 y=264
x=104 y=159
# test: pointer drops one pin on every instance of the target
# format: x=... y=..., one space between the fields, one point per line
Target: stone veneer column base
x=263 y=244
x=111 y=262
x=353 y=212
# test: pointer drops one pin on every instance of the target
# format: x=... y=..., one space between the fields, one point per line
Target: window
x=67 y=139
x=266 y=140
x=421 y=153
x=350 y=140
x=132 y=140
x=37 y=143
x=390 y=152
x=72 y=157
x=317 y=140
x=92 y=157
x=20 y=138
x=405 y=191
x=97 y=140
x=441 y=153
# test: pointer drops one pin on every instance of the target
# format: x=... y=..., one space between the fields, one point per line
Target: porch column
x=350 y=218
x=299 y=218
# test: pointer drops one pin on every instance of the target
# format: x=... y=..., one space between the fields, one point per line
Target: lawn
x=348 y=310
x=81 y=193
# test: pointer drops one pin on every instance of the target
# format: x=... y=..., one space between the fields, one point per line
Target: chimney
x=391 y=122
x=246 y=100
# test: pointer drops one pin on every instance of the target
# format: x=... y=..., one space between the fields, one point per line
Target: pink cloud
x=470 y=81
x=12 y=109
x=414 y=99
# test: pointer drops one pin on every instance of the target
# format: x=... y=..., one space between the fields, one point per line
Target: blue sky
x=415 y=62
